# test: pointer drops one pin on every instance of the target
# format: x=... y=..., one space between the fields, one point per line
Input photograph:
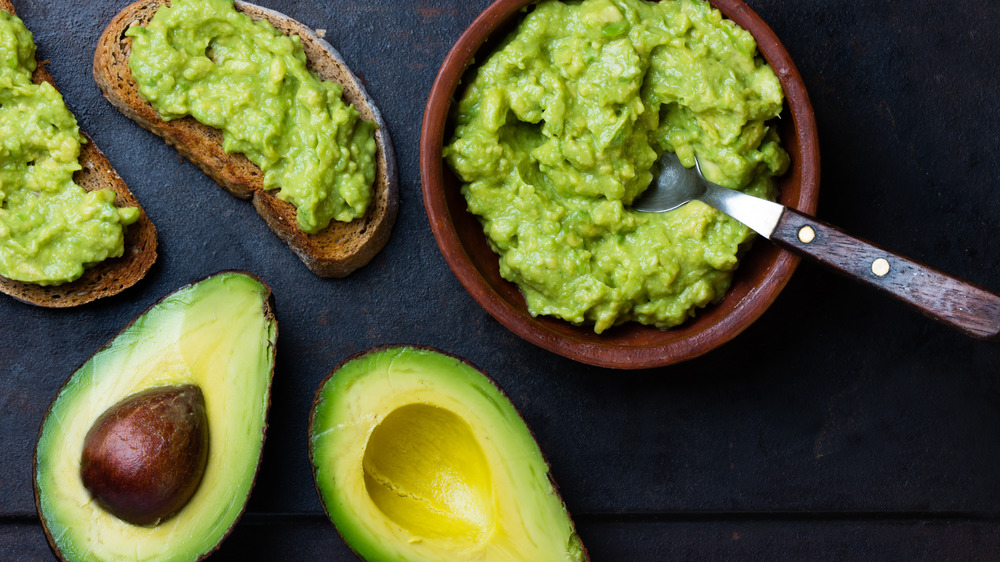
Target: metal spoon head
x=673 y=187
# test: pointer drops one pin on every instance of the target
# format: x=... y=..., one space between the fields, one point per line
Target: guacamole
x=561 y=128
x=204 y=59
x=50 y=228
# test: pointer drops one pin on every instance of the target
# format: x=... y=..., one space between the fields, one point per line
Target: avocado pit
x=145 y=456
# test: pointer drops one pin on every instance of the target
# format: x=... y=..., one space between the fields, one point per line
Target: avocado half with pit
x=417 y=455
x=150 y=449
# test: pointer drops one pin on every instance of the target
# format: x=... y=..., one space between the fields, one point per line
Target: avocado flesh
x=419 y=456
x=219 y=335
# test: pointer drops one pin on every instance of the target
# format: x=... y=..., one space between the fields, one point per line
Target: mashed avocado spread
x=50 y=228
x=561 y=128
x=204 y=59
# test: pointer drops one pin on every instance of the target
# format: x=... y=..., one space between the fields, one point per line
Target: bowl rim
x=674 y=344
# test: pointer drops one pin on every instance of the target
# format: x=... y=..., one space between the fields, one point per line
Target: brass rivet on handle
x=807 y=234
x=880 y=267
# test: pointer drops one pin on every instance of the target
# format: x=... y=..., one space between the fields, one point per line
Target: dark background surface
x=841 y=425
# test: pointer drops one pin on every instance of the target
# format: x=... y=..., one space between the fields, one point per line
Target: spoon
x=959 y=304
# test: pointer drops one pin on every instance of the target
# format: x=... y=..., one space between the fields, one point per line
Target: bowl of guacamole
x=548 y=118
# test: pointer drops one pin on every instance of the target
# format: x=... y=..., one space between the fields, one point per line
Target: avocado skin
x=269 y=349
x=570 y=549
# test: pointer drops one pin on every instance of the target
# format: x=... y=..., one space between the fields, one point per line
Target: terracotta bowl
x=764 y=270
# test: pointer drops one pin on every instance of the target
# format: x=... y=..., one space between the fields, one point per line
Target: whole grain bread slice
x=113 y=275
x=335 y=251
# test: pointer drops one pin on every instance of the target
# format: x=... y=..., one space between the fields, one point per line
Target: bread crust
x=113 y=275
x=335 y=251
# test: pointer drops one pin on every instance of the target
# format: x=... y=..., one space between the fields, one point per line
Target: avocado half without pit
x=150 y=449
x=417 y=455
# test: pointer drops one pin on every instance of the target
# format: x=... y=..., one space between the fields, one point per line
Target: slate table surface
x=840 y=426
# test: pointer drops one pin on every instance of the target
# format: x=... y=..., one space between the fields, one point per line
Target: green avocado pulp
x=204 y=59
x=562 y=127
x=50 y=228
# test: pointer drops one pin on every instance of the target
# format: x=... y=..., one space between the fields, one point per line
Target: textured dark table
x=839 y=426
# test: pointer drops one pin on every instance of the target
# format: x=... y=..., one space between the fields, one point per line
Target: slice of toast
x=113 y=275
x=336 y=250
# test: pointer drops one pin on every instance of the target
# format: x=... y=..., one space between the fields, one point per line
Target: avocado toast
x=334 y=251
x=112 y=275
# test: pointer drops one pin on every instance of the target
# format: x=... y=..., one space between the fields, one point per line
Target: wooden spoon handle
x=960 y=304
